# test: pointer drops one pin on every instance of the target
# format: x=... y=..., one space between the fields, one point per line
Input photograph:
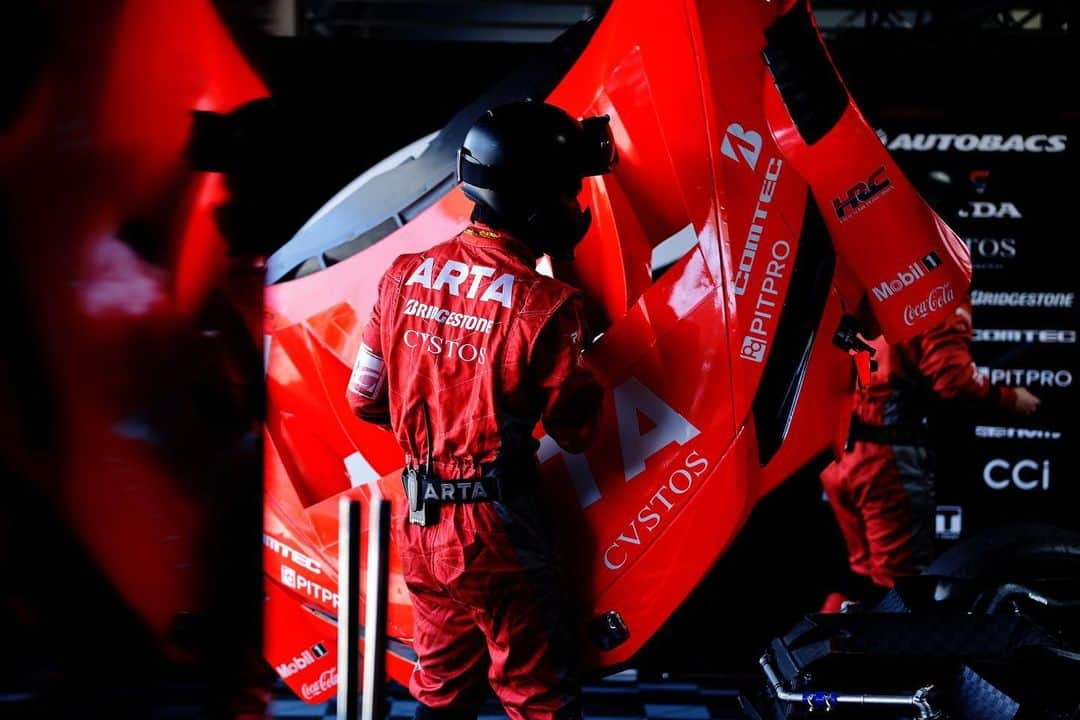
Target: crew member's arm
x=571 y=393
x=945 y=360
x=367 y=393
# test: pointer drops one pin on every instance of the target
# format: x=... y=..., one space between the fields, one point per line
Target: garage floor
x=620 y=697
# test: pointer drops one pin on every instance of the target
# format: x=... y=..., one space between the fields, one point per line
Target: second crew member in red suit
x=467 y=348
x=882 y=489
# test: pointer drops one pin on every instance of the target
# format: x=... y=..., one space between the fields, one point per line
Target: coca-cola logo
x=325 y=682
x=938 y=298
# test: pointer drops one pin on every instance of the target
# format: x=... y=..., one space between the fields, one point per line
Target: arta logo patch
x=748 y=141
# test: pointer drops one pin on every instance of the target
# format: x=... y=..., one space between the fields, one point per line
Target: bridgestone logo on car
x=967 y=142
x=915 y=272
x=1022 y=299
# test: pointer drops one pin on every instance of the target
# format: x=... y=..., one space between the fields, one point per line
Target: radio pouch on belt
x=420 y=512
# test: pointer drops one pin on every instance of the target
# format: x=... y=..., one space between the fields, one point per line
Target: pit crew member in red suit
x=882 y=489
x=467 y=348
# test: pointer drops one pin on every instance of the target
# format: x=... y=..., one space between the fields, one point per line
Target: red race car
x=729 y=266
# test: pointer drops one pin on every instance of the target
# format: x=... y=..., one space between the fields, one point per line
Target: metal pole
x=348 y=626
x=375 y=619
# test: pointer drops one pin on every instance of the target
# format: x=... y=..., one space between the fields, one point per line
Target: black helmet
x=522 y=164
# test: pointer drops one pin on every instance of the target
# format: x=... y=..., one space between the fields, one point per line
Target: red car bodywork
x=705 y=142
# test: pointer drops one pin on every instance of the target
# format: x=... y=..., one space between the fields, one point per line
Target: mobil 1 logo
x=908 y=276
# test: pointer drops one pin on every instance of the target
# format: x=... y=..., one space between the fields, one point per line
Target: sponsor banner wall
x=1007 y=190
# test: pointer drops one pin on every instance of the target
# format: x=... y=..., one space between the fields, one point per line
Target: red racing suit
x=466 y=349
x=882 y=489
